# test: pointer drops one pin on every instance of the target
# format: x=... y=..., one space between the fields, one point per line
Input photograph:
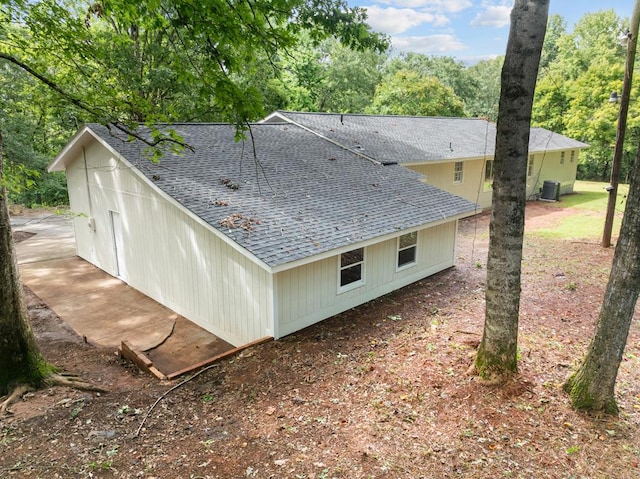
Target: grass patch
x=590 y=197
x=587 y=227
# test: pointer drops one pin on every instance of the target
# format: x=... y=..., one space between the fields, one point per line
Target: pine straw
x=379 y=391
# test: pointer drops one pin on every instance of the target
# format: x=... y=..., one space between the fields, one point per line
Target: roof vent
x=388 y=163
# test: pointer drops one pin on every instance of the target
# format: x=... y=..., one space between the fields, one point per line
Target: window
x=488 y=175
x=351 y=268
x=407 y=249
x=457 y=172
x=532 y=159
x=573 y=156
x=562 y=158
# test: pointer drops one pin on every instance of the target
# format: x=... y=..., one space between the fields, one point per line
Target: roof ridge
x=369 y=115
x=194 y=123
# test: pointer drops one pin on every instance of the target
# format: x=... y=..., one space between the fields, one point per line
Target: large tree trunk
x=20 y=360
x=592 y=386
x=497 y=354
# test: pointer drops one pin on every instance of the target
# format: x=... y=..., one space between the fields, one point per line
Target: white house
x=453 y=154
x=257 y=246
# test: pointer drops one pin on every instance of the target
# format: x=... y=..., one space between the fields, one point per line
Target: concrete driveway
x=101 y=308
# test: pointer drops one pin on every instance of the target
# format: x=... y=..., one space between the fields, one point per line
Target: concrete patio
x=102 y=309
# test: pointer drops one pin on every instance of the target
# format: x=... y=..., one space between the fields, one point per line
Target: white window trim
x=415 y=257
x=461 y=180
x=355 y=284
x=487 y=183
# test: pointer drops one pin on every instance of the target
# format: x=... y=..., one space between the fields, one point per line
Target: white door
x=118 y=244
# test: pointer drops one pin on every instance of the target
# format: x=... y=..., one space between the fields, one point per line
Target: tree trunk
x=497 y=354
x=592 y=386
x=20 y=358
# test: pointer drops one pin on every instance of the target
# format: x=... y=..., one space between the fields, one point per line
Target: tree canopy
x=118 y=62
x=580 y=71
x=409 y=93
x=182 y=61
x=155 y=61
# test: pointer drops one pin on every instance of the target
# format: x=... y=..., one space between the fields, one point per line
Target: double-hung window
x=562 y=157
x=532 y=160
x=407 y=247
x=488 y=175
x=351 y=269
x=457 y=172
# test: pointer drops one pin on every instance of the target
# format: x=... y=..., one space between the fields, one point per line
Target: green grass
x=590 y=197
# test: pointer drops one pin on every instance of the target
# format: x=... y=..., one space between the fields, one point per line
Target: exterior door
x=118 y=244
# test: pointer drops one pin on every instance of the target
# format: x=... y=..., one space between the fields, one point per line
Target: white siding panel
x=309 y=293
x=79 y=205
x=169 y=255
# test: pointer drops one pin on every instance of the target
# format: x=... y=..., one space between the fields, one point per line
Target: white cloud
x=496 y=16
x=398 y=20
x=440 y=6
x=428 y=45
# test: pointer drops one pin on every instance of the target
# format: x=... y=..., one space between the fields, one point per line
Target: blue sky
x=469 y=30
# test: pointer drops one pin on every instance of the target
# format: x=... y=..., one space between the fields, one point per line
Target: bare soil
x=379 y=391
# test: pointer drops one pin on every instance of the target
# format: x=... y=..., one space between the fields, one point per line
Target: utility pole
x=632 y=39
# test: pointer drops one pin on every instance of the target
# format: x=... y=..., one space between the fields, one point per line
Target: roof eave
x=82 y=137
x=278 y=268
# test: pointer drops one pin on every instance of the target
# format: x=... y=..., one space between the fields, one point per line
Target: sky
x=469 y=30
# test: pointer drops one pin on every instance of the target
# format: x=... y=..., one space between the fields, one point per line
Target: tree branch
x=84 y=107
x=51 y=84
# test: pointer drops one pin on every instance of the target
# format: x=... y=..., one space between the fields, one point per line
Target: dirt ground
x=379 y=391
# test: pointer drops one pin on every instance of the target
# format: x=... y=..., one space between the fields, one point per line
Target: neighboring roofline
x=552 y=150
x=378 y=239
x=281 y=115
x=85 y=131
x=487 y=157
x=327 y=113
x=277 y=114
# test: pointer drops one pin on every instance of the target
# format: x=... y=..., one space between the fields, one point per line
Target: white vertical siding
x=79 y=204
x=169 y=255
x=308 y=294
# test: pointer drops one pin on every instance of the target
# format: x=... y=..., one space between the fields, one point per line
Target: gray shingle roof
x=304 y=196
x=542 y=140
x=409 y=139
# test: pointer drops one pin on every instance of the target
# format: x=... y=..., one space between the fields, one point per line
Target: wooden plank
x=139 y=359
x=218 y=357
